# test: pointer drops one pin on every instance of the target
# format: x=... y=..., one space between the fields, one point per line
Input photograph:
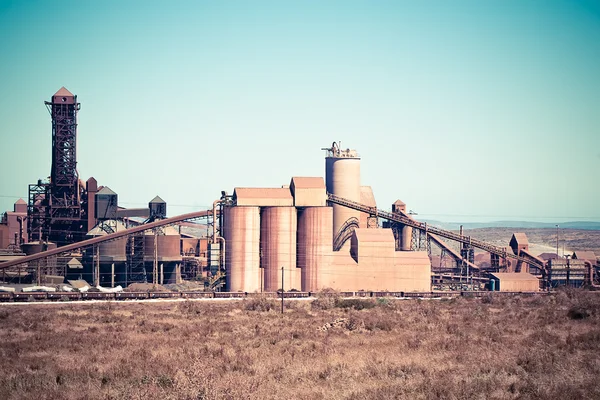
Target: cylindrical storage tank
x=37 y=247
x=315 y=225
x=278 y=248
x=342 y=178
x=406 y=238
x=241 y=230
x=168 y=245
x=114 y=250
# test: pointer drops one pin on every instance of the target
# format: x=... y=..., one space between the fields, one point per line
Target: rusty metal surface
x=112 y=236
x=59 y=216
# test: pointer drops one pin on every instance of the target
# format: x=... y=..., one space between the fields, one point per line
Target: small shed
x=514 y=282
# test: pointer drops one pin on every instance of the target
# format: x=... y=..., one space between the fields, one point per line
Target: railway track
x=6 y=297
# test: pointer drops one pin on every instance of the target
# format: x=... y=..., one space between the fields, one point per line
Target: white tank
x=315 y=226
x=342 y=178
x=241 y=231
x=278 y=248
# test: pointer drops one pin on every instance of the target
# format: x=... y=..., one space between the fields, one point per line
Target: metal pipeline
x=20 y=221
x=591 y=274
x=214 y=212
x=215 y=237
x=223 y=249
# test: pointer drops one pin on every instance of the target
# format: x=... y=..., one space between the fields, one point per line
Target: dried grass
x=496 y=348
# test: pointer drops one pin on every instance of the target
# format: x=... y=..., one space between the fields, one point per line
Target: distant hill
x=582 y=225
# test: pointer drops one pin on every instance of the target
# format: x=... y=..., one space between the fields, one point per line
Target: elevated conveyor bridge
x=106 y=238
x=432 y=230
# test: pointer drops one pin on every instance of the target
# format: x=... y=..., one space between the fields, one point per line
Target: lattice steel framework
x=136 y=268
x=37 y=221
x=55 y=208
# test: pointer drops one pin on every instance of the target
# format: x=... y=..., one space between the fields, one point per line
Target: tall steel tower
x=55 y=207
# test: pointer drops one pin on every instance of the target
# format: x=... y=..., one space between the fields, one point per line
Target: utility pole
x=281 y=290
x=155 y=263
x=557 y=256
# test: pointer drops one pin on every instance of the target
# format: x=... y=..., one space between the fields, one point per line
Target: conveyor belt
x=453 y=253
x=405 y=220
x=106 y=238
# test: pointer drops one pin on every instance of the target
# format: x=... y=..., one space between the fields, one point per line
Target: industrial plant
x=305 y=235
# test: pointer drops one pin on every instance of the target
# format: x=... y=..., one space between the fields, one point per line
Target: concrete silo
x=342 y=178
x=241 y=230
x=315 y=225
x=278 y=248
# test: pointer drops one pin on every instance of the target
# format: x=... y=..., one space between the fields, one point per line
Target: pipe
x=223 y=250
x=591 y=273
x=214 y=213
x=20 y=221
x=215 y=237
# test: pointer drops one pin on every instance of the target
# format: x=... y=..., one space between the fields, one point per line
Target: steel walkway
x=422 y=226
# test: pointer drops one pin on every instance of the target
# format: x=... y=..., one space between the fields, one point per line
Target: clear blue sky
x=465 y=110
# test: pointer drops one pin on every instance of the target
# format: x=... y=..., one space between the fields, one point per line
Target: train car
x=197 y=295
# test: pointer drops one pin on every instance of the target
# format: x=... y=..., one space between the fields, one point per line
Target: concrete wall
x=408 y=274
x=372 y=264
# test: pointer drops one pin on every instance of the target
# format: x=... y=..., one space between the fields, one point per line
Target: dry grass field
x=545 y=347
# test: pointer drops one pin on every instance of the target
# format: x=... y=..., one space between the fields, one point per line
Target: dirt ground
x=544 y=347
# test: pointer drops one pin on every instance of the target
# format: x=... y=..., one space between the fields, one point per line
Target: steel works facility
x=305 y=235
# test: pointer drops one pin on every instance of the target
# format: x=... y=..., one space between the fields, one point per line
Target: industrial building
x=309 y=234
x=292 y=231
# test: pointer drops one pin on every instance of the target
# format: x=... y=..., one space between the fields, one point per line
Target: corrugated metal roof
x=520 y=237
x=63 y=92
x=98 y=231
x=253 y=193
x=374 y=235
x=306 y=182
x=167 y=230
x=514 y=276
x=105 y=190
x=73 y=262
x=157 y=200
x=585 y=255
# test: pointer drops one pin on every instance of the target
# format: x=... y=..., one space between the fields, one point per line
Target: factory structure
x=306 y=235
x=289 y=235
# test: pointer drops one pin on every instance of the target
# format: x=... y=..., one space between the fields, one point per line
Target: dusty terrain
x=492 y=348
